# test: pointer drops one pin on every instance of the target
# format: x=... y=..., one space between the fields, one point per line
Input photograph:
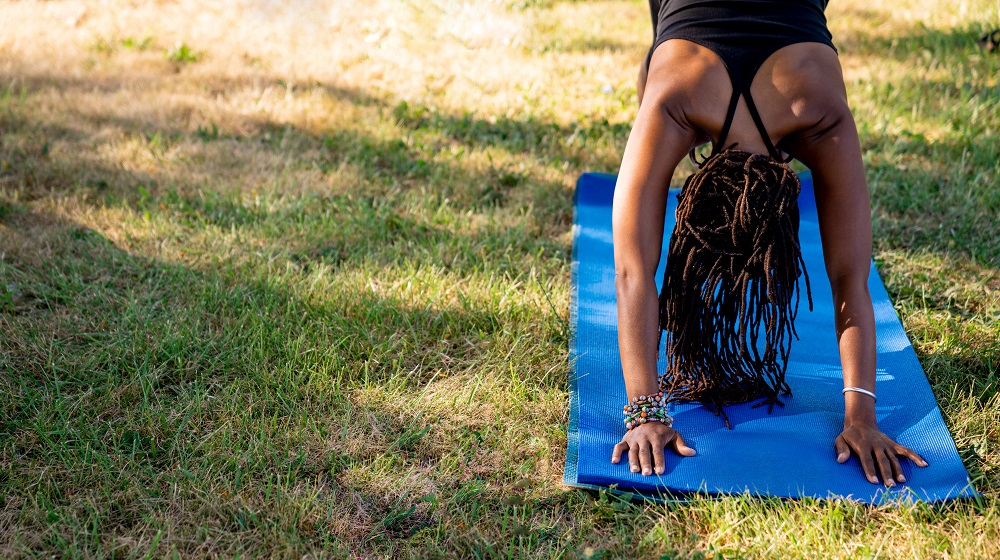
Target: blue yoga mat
x=788 y=453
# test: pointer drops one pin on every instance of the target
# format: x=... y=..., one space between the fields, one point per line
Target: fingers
x=843 y=451
x=896 y=467
x=884 y=466
x=633 y=459
x=645 y=458
x=646 y=450
x=659 y=461
x=620 y=448
x=877 y=453
x=868 y=466
x=682 y=447
x=867 y=463
x=909 y=454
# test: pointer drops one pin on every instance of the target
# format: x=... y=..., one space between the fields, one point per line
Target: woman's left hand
x=877 y=452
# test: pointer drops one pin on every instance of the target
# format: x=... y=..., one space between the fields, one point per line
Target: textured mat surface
x=788 y=453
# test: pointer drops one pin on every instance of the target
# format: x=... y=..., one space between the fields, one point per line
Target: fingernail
x=659 y=471
x=890 y=484
x=873 y=480
x=901 y=478
x=635 y=469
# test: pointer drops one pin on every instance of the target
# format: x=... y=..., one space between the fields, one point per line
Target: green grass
x=253 y=309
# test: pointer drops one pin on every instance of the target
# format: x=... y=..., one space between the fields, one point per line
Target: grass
x=301 y=287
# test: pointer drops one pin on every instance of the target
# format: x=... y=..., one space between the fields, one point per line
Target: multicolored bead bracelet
x=646 y=408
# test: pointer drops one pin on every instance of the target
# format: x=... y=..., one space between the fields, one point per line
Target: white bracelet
x=860 y=390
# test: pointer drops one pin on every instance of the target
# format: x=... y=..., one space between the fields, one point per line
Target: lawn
x=291 y=279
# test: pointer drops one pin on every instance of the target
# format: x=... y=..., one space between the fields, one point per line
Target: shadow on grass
x=430 y=151
x=946 y=209
x=918 y=40
x=525 y=135
x=134 y=386
x=155 y=384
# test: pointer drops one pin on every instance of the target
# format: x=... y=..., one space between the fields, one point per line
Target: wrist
x=859 y=404
x=862 y=421
x=646 y=409
x=859 y=413
x=641 y=380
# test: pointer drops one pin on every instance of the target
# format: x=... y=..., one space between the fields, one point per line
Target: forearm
x=855 y=322
x=638 y=332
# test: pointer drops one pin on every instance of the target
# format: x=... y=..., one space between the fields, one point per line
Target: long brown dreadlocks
x=730 y=292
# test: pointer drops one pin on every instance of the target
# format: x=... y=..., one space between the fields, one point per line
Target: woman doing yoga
x=759 y=79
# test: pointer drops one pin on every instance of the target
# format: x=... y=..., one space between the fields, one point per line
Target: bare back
x=798 y=89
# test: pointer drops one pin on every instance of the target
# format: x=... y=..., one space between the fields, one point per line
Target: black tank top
x=743 y=33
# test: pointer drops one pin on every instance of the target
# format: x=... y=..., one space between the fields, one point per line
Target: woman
x=772 y=63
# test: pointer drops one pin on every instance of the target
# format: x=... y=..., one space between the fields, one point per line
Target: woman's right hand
x=644 y=445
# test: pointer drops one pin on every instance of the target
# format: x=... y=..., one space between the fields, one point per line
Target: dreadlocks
x=730 y=292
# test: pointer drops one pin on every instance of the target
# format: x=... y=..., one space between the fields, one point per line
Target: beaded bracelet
x=646 y=408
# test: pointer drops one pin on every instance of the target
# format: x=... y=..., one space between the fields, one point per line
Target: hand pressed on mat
x=644 y=445
x=876 y=451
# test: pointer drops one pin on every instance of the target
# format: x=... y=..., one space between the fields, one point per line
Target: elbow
x=630 y=278
x=849 y=285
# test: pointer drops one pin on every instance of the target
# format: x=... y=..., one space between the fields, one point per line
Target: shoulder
x=687 y=78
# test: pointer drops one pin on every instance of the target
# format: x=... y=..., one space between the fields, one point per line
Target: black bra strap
x=760 y=126
x=728 y=123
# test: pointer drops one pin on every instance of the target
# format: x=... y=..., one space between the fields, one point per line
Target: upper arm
x=655 y=146
x=832 y=151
